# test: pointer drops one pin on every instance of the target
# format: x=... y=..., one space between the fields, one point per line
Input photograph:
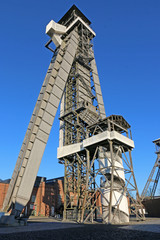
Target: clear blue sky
x=127 y=50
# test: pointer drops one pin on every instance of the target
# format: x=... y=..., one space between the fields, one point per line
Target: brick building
x=47 y=197
x=3 y=190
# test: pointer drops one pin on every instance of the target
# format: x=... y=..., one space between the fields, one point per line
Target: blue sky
x=127 y=51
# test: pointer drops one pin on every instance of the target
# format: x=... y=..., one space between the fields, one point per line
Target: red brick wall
x=3 y=191
x=46 y=197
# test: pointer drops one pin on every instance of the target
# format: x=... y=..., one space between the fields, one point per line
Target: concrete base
x=11 y=221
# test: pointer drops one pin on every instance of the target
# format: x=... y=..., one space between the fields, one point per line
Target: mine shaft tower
x=153 y=179
x=95 y=149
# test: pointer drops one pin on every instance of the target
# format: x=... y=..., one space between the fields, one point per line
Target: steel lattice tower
x=95 y=149
x=83 y=116
x=154 y=175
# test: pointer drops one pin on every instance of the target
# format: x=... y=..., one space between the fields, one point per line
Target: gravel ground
x=89 y=232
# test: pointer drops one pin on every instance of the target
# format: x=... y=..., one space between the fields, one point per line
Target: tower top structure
x=71 y=15
x=157 y=145
x=74 y=17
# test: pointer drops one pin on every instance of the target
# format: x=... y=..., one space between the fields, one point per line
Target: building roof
x=5 y=181
x=78 y=12
x=119 y=120
x=157 y=142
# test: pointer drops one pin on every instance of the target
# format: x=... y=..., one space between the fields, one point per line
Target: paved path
x=42 y=224
x=150 y=225
x=39 y=226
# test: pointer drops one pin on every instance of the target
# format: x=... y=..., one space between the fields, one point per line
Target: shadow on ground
x=87 y=231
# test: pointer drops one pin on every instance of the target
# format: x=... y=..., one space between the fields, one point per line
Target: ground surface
x=47 y=229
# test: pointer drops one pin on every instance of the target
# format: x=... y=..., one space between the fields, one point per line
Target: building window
x=33 y=198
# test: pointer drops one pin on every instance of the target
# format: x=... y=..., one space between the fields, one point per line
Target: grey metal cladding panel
x=84 y=87
x=98 y=89
x=36 y=154
x=85 y=84
x=73 y=43
x=51 y=80
x=28 y=180
x=9 y=193
x=102 y=109
x=85 y=74
x=102 y=114
x=20 y=158
x=56 y=65
x=42 y=136
x=75 y=37
x=25 y=160
x=101 y=105
x=96 y=79
x=94 y=70
x=83 y=91
x=50 y=68
x=48 y=88
x=54 y=101
x=83 y=97
x=61 y=53
x=66 y=66
x=61 y=136
x=48 y=117
x=83 y=69
x=46 y=96
x=43 y=104
x=32 y=138
x=68 y=57
x=27 y=153
x=16 y=189
x=71 y=49
x=51 y=109
x=30 y=144
x=94 y=66
x=59 y=58
x=100 y=99
x=45 y=127
x=14 y=176
x=54 y=73
x=30 y=126
x=84 y=94
x=85 y=77
x=57 y=91
x=60 y=83
x=62 y=74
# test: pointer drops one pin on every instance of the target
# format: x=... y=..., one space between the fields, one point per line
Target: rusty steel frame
x=82 y=176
